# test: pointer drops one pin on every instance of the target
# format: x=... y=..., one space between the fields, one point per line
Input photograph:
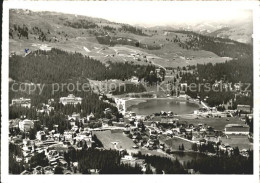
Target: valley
x=93 y=96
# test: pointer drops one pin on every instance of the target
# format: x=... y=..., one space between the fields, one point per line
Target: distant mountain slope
x=241 y=33
x=107 y=41
x=237 y=30
x=55 y=27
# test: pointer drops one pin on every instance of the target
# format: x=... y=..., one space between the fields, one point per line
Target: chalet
x=236 y=129
x=26 y=172
x=84 y=135
x=75 y=128
x=237 y=86
x=72 y=122
x=225 y=147
x=244 y=108
x=38 y=170
x=163 y=113
x=170 y=113
x=45 y=47
x=22 y=102
x=68 y=135
x=48 y=170
x=63 y=163
x=129 y=160
x=182 y=94
x=127 y=129
x=60 y=149
x=53 y=162
x=91 y=117
x=26 y=125
x=107 y=111
x=40 y=135
x=212 y=138
x=56 y=128
x=132 y=114
x=45 y=109
x=74 y=116
x=71 y=99
x=184 y=86
x=134 y=79
x=157 y=70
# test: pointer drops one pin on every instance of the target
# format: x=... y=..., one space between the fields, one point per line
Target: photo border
x=6 y=177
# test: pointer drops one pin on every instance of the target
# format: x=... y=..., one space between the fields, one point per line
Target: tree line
x=220 y=46
x=57 y=66
x=234 y=71
x=222 y=164
x=163 y=164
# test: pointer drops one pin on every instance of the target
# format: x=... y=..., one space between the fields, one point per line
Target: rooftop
x=236 y=126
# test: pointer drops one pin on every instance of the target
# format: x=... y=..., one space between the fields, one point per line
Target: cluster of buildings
x=71 y=99
x=170 y=125
x=26 y=125
x=26 y=102
x=54 y=144
x=21 y=102
x=153 y=141
x=46 y=108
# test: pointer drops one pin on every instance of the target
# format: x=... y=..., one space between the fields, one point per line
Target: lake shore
x=134 y=102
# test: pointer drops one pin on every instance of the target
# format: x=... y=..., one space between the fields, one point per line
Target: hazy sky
x=148 y=13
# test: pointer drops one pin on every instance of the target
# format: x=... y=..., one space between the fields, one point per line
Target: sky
x=148 y=13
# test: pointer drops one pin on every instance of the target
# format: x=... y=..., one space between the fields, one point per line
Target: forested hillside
x=57 y=66
x=221 y=47
x=235 y=71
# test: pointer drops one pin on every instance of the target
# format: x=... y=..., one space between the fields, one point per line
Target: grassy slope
x=107 y=137
x=174 y=143
x=216 y=123
x=170 y=55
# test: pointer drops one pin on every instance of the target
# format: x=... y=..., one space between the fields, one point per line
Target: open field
x=170 y=55
x=216 y=123
x=108 y=138
x=175 y=142
x=240 y=141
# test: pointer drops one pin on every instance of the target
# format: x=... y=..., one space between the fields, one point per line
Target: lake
x=151 y=106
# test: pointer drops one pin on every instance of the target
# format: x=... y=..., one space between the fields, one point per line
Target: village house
x=74 y=116
x=184 y=86
x=212 y=138
x=237 y=86
x=55 y=128
x=45 y=47
x=225 y=147
x=26 y=172
x=46 y=109
x=48 y=170
x=134 y=79
x=22 y=102
x=68 y=135
x=132 y=114
x=40 y=135
x=26 y=125
x=71 y=99
x=182 y=95
x=107 y=111
x=38 y=170
x=72 y=122
x=90 y=117
x=127 y=129
x=244 y=108
x=130 y=160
